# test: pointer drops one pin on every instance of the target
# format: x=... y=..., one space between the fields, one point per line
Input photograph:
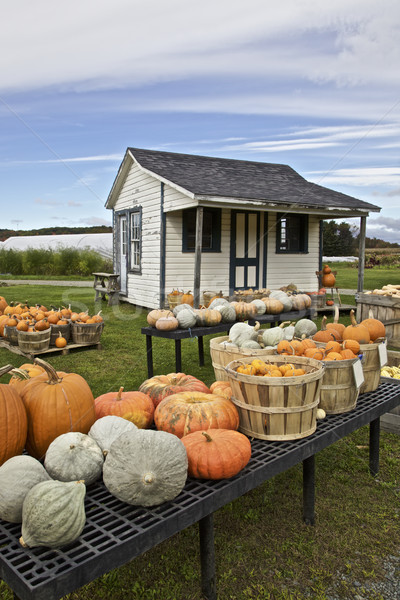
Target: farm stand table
x=106 y=284
x=200 y=332
x=115 y=532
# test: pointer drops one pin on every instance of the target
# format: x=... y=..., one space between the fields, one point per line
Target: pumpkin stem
x=284 y=323
x=257 y=326
x=51 y=372
x=20 y=373
x=5 y=369
x=323 y=323
x=119 y=394
x=208 y=437
x=148 y=478
x=353 y=318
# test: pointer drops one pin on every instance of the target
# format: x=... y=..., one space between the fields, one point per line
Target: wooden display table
x=106 y=284
x=200 y=332
x=116 y=532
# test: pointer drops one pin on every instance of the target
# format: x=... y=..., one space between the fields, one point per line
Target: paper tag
x=383 y=358
x=358 y=373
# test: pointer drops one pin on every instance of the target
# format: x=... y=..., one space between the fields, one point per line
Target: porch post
x=361 y=254
x=197 y=256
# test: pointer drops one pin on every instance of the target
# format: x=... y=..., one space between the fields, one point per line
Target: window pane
x=135 y=230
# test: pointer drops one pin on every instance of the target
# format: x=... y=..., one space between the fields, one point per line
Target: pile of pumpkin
x=220 y=310
x=19 y=316
x=110 y=437
x=260 y=368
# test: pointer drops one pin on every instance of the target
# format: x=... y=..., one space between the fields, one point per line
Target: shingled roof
x=269 y=183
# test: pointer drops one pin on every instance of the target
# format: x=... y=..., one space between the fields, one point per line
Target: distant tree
x=338 y=239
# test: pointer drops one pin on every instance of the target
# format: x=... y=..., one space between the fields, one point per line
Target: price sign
x=358 y=373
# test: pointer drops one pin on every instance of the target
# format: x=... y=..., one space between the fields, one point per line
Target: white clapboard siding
x=299 y=269
x=180 y=266
x=174 y=199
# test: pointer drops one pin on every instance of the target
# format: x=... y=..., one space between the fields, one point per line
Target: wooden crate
x=384 y=308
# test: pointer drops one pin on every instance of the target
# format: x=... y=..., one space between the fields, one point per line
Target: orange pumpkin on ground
x=13 y=420
x=187 y=412
x=216 y=453
x=56 y=403
x=161 y=386
x=132 y=406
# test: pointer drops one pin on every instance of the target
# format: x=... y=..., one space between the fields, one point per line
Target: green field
x=263 y=548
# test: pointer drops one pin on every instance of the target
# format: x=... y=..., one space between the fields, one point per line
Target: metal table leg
x=207 y=558
x=201 y=351
x=178 y=356
x=374 y=434
x=309 y=490
x=149 y=354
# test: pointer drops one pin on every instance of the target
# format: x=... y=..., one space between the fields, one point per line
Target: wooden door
x=245 y=250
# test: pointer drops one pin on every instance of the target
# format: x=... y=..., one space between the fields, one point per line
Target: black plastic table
x=199 y=332
x=116 y=532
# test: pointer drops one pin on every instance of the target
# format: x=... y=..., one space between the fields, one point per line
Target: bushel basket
x=371 y=367
x=281 y=408
x=339 y=392
x=222 y=354
x=34 y=342
x=86 y=333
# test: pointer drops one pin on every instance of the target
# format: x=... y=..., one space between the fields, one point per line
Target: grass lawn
x=263 y=549
x=347 y=276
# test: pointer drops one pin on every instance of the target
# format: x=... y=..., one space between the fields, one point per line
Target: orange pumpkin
x=188 y=298
x=316 y=353
x=375 y=327
x=60 y=341
x=216 y=453
x=132 y=406
x=333 y=356
x=187 y=412
x=347 y=354
x=352 y=345
x=56 y=403
x=326 y=335
x=161 y=386
x=328 y=280
x=356 y=331
x=13 y=420
x=332 y=346
x=221 y=388
x=23 y=374
x=285 y=347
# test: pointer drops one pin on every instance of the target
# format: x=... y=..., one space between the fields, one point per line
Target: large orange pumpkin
x=133 y=406
x=356 y=331
x=216 y=453
x=187 y=412
x=375 y=327
x=56 y=403
x=161 y=386
x=13 y=420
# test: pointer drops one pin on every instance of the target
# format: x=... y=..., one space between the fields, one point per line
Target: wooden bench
x=106 y=284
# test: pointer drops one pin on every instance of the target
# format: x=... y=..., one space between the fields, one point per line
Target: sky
x=311 y=84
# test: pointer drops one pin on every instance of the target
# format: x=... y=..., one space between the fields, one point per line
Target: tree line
x=342 y=239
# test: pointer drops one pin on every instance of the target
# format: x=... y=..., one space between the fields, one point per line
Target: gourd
x=320 y=414
x=273 y=306
x=186 y=318
x=106 y=429
x=167 y=323
x=244 y=310
x=282 y=297
x=55 y=403
x=72 y=456
x=252 y=344
x=356 y=331
x=53 y=514
x=216 y=453
x=134 y=406
x=208 y=317
x=305 y=328
x=186 y=412
x=179 y=307
x=260 y=306
x=156 y=314
x=145 y=467
x=274 y=335
x=375 y=327
x=13 y=420
x=241 y=332
x=161 y=386
x=228 y=313
x=17 y=476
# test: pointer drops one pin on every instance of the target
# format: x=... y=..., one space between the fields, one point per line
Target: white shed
x=204 y=223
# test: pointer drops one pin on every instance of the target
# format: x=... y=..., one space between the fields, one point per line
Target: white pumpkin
x=218 y=302
x=146 y=468
x=252 y=344
x=260 y=306
x=186 y=318
x=228 y=312
x=106 y=429
x=241 y=332
x=72 y=456
x=284 y=298
x=288 y=332
x=305 y=328
x=179 y=307
x=273 y=335
x=17 y=476
x=53 y=514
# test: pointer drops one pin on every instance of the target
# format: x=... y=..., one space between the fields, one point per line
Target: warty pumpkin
x=186 y=412
x=161 y=386
x=55 y=403
x=216 y=453
x=136 y=407
x=13 y=420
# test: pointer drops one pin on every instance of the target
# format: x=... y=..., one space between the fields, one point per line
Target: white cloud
x=359 y=177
